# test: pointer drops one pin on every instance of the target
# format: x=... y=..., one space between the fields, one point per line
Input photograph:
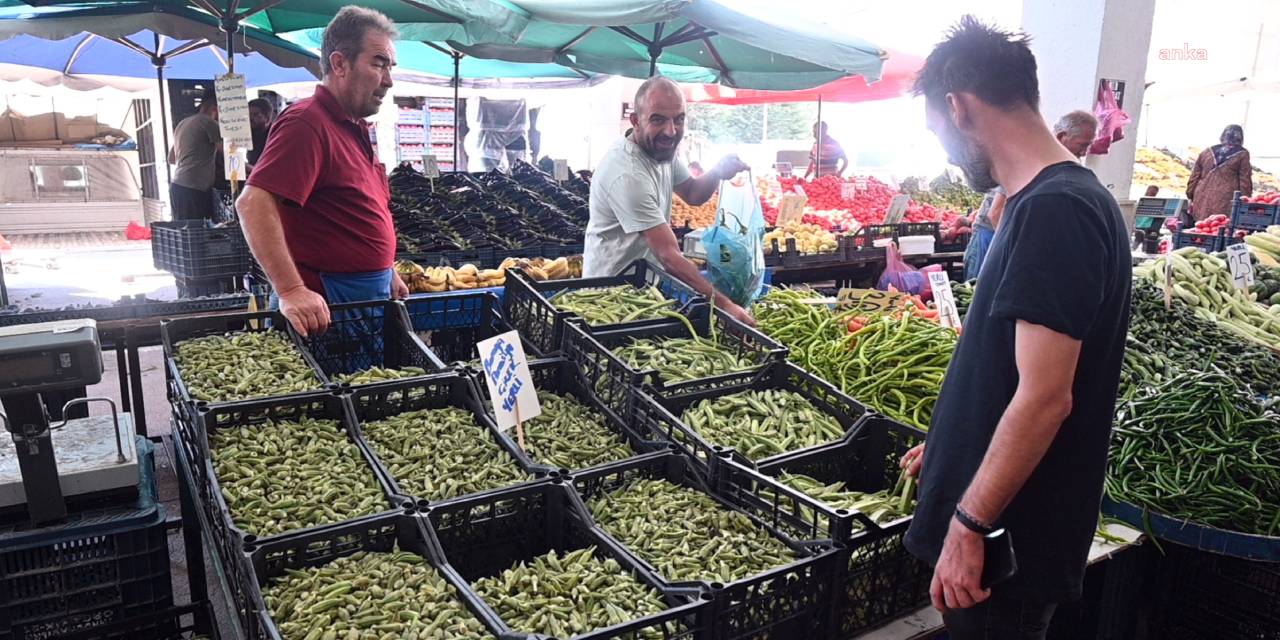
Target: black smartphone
x=999 y=563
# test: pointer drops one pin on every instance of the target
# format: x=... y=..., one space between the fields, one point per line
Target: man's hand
x=957 y=580
x=729 y=166
x=913 y=460
x=306 y=310
x=733 y=309
x=399 y=290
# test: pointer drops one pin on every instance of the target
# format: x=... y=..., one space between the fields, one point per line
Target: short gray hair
x=1077 y=121
x=651 y=85
x=345 y=33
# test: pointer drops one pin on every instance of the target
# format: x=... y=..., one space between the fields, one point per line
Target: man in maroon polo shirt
x=316 y=207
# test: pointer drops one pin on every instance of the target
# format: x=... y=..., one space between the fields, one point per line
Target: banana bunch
x=422 y=279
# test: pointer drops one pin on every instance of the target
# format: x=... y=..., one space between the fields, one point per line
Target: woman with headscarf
x=1220 y=171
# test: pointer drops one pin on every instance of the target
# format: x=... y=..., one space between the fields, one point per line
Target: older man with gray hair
x=1076 y=131
x=316 y=211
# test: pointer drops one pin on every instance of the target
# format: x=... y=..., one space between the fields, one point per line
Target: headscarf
x=1232 y=143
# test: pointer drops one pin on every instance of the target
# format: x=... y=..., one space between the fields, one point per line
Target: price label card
x=506 y=373
x=791 y=209
x=234 y=163
x=848 y=190
x=233 y=110
x=561 y=170
x=897 y=209
x=429 y=166
x=783 y=168
x=868 y=300
x=948 y=315
x=1241 y=265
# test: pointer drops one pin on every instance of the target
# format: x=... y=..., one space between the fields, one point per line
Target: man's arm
x=662 y=242
x=260 y=218
x=697 y=191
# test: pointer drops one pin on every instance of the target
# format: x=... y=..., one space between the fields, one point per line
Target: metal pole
x=817 y=156
x=457 y=113
x=158 y=61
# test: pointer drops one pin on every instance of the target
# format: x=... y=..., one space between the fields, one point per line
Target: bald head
x=657 y=121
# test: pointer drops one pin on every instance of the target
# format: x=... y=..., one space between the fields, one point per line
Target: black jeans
x=1000 y=617
x=190 y=204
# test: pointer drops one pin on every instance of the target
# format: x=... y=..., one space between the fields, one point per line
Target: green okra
x=378 y=374
x=571 y=435
x=243 y=365
x=759 y=424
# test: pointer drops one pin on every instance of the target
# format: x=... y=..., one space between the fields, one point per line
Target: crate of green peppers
x=709 y=350
x=369 y=342
x=860 y=477
x=639 y=295
x=273 y=469
x=374 y=578
x=229 y=358
x=533 y=556
x=781 y=411
x=434 y=440
x=573 y=432
x=734 y=541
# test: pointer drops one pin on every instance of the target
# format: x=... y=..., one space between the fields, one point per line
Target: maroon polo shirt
x=335 y=210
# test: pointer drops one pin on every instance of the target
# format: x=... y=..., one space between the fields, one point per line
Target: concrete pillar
x=1079 y=42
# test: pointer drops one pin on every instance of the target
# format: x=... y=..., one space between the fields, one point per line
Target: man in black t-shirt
x=1019 y=435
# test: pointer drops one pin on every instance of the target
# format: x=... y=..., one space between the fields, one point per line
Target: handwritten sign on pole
x=948 y=314
x=561 y=171
x=791 y=209
x=233 y=110
x=235 y=159
x=430 y=167
x=506 y=373
x=897 y=209
x=1241 y=265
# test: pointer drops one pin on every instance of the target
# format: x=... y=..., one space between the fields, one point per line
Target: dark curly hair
x=996 y=66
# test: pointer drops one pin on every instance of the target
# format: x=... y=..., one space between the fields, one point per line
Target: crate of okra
x=760 y=549
x=532 y=556
x=230 y=358
x=374 y=578
x=860 y=478
x=709 y=351
x=268 y=469
x=640 y=295
x=369 y=342
x=434 y=441
x=783 y=410
x=573 y=432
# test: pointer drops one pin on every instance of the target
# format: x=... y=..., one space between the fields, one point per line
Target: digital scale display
x=39 y=367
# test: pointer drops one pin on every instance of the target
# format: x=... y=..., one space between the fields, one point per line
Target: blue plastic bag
x=735 y=244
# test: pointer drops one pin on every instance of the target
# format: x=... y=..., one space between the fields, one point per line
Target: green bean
x=281 y=476
x=571 y=435
x=681 y=359
x=564 y=595
x=368 y=595
x=613 y=305
x=685 y=534
x=438 y=454
x=759 y=424
x=882 y=507
x=243 y=365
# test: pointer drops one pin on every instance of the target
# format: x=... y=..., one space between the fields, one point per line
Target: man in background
x=196 y=143
x=832 y=161
x=1076 y=132
x=260 y=117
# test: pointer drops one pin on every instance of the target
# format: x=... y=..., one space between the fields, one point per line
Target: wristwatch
x=971 y=523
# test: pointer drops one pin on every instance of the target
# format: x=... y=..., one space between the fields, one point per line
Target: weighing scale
x=1150 y=216
x=46 y=464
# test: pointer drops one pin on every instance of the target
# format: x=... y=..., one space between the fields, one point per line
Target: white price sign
x=233 y=110
x=791 y=209
x=948 y=315
x=561 y=170
x=234 y=163
x=506 y=373
x=897 y=209
x=848 y=190
x=1241 y=265
x=429 y=166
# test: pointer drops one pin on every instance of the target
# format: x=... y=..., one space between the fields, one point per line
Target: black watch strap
x=972 y=523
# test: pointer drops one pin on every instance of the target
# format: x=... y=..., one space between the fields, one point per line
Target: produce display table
x=927 y=622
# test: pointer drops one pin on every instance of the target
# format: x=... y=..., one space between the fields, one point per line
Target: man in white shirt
x=631 y=194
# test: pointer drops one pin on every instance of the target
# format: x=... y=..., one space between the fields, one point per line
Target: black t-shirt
x=1060 y=260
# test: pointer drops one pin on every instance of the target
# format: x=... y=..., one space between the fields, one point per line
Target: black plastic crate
x=363 y=335
x=481 y=258
x=869 y=234
x=451 y=324
x=207 y=286
x=592 y=350
x=101 y=566
x=175 y=330
x=789 y=256
x=791 y=601
x=527 y=251
x=106 y=313
x=230 y=540
x=918 y=229
x=482 y=536
x=404 y=531
x=1253 y=216
x=553 y=250
x=373 y=402
x=661 y=417
x=224 y=205
x=197 y=249
x=1203 y=595
x=1202 y=241
x=960 y=244
x=883 y=580
x=562 y=377
x=172 y=623
x=527 y=308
